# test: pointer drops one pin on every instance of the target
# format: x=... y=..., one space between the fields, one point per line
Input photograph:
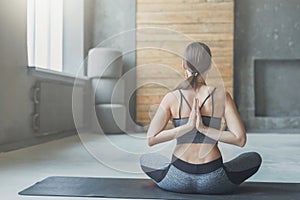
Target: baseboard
x=34 y=141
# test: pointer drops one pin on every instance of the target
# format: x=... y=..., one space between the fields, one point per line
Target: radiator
x=52 y=108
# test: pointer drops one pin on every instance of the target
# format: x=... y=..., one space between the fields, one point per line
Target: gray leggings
x=214 y=177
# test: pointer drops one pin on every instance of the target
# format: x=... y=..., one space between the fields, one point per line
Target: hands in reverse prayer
x=195 y=119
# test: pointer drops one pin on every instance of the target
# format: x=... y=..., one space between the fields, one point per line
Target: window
x=45 y=34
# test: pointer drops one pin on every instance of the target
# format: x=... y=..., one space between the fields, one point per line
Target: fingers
x=195 y=104
x=193 y=114
x=199 y=119
x=198 y=115
x=198 y=110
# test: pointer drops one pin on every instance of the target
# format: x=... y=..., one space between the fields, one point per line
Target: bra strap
x=213 y=105
x=183 y=97
x=180 y=104
x=185 y=100
x=211 y=94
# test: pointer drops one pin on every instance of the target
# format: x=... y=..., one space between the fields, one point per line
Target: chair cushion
x=108 y=90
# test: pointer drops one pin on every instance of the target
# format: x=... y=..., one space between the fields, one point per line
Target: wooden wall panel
x=209 y=21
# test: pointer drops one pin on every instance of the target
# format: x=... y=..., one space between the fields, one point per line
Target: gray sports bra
x=194 y=136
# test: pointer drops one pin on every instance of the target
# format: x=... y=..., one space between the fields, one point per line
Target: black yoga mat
x=146 y=189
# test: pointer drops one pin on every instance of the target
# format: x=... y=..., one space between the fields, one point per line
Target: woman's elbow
x=150 y=141
x=241 y=141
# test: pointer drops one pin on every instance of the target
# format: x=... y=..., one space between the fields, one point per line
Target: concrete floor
x=91 y=155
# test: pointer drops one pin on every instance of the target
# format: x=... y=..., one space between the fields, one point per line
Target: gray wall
x=266 y=30
x=73 y=52
x=102 y=19
x=117 y=18
x=88 y=27
x=16 y=106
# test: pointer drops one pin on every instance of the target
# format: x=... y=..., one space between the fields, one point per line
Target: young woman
x=196 y=110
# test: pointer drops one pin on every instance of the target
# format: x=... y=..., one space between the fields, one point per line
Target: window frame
x=72 y=21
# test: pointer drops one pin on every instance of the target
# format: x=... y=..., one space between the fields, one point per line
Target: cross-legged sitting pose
x=197 y=110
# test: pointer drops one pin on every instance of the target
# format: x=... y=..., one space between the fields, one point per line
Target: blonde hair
x=197 y=59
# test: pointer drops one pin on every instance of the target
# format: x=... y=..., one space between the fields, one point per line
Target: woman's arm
x=156 y=133
x=236 y=134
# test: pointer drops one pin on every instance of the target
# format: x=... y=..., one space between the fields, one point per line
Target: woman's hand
x=193 y=114
x=199 y=123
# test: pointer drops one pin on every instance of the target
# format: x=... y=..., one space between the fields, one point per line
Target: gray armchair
x=105 y=67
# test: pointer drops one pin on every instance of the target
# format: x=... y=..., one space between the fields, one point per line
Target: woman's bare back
x=199 y=153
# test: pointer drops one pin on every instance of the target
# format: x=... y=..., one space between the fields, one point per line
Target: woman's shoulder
x=211 y=89
x=218 y=92
x=171 y=97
